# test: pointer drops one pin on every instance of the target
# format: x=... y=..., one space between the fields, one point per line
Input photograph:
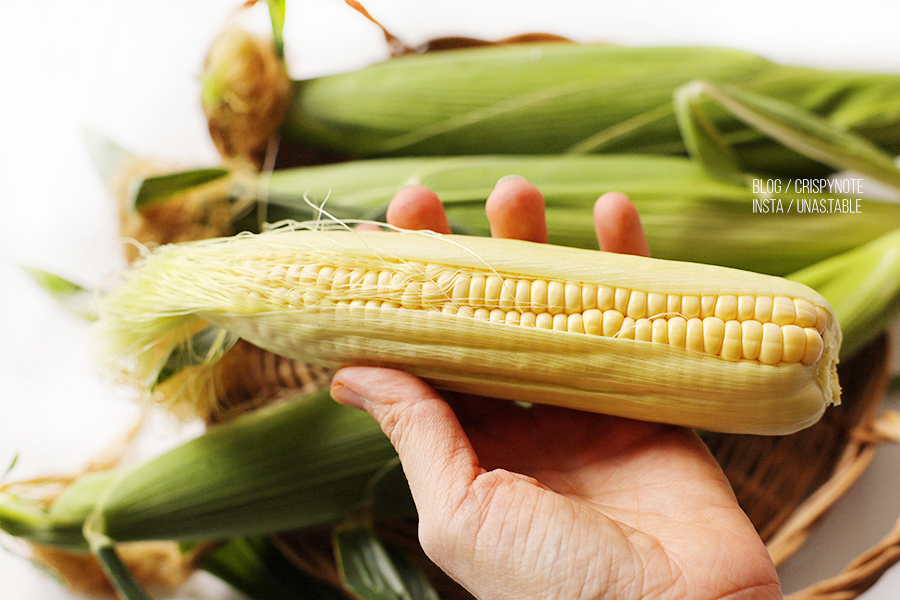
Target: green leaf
x=704 y=141
x=71 y=296
x=118 y=573
x=255 y=567
x=376 y=571
x=276 y=14
x=156 y=189
x=863 y=287
x=796 y=128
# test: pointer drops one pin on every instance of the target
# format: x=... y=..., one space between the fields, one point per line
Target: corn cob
x=693 y=345
x=687 y=214
x=556 y=98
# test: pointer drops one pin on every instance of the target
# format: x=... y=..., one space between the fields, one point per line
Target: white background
x=129 y=71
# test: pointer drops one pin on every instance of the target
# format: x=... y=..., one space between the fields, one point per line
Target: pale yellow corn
x=689 y=344
x=559 y=305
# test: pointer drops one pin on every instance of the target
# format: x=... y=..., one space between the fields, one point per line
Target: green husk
x=584 y=98
x=255 y=567
x=299 y=463
x=863 y=287
x=687 y=214
x=374 y=570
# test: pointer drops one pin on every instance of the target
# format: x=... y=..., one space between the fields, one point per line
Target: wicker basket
x=784 y=497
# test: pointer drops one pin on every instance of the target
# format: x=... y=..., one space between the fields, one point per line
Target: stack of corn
x=182 y=310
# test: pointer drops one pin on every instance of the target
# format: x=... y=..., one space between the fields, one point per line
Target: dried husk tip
x=246 y=92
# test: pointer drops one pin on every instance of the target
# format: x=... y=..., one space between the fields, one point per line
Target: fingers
x=417 y=207
x=515 y=209
x=436 y=455
x=618 y=225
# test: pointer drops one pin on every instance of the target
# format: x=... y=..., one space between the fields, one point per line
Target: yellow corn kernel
x=523 y=293
x=751 y=339
x=726 y=307
x=588 y=297
x=637 y=304
x=660 y=331
x=643 y=330
x=713 y=334
x=762 y=310
x=806 y=313
x=783 y=311
x=475 y=294
x=538 y=295
x=508 y=294
x=656 y=304
x=694 y=333
x=814 y=346
x=673 y=304
x=612 y=322
x=690 y=307
x=620 y=303
x=572 y=298
x=575 y=323
x=560 y=322
x=493 y=286
x=794 y=343
x=593 y=321
x=732 y=344
x=627 y=330
x=606 y=297
x=771 y=348
x=676 y=331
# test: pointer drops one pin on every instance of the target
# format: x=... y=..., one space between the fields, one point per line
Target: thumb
x=437 y=456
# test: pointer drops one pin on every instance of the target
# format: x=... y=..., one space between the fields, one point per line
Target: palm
x=645 y=484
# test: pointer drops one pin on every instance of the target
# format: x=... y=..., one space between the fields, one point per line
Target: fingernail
x=344 y=395
x=506 y=178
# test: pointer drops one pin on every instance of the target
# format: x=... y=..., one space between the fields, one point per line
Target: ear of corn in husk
x=342 y=297
x=559 y=98
x=686 y=214
x=303 y=462
x=863 y=286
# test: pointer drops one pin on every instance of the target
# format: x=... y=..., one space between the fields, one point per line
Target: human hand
x=547 y=502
